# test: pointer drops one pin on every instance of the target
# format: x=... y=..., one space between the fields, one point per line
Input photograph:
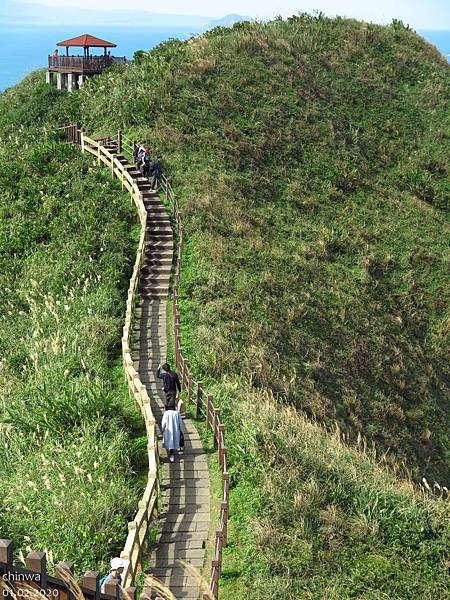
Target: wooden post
x=224 y=509
x=119 y=142
x=216 y=427
x=223 y=457
x=82 y=141
x=130 y=593
x=90 y=585
x=185 y=373
x=215 y=563
x=191 y=390
x=225 y=485
x=219 y=545
x=181 y=365
x=177 y=352
x=220 y=430
x=62 y=569
x=208 y=410
x=6 y=554
x=167 y=190
x=199 y=398
x=112 y=588
x=37 y=562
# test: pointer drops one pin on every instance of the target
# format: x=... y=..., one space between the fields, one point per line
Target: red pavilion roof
x=86 y=41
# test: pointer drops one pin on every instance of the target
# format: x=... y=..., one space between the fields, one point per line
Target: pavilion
x=71 y=71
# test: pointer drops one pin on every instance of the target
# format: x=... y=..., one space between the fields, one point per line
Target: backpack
x=101 y=582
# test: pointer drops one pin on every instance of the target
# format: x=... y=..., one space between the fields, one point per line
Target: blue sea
x=25 y=48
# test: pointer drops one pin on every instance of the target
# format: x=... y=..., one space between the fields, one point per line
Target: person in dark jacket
x=146 y=162
x=156 y=171
x=171 y=384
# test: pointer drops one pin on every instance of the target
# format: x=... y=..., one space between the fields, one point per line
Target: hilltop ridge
x=311 y=161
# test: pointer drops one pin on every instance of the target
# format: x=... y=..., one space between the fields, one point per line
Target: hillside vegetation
x=311 y=159
x=67 y=431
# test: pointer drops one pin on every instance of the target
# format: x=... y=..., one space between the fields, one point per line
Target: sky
x=420 y=14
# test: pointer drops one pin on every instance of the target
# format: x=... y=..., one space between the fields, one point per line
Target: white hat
x=117 y=563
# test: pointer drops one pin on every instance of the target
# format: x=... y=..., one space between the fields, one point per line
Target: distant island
x=228 y=20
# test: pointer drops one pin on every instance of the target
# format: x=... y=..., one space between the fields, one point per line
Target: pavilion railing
x=83 y=64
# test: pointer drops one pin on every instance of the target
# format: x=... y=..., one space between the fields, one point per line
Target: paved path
x=184 y=521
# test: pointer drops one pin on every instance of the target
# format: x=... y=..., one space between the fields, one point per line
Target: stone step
x=186 y=553
x=156 y=267
x=152 y=270
x=156 y=226
x=155 y=296
x=158 y=244
x=157 y=254
x=161 y=236
x=160 y=252
x=181 y=588
x=158 y=220
x=155 y=281
x=149 y=285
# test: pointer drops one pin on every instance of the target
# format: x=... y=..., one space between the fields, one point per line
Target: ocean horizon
x=24 y=48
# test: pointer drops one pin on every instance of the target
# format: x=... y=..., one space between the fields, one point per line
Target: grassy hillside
x=67 y=431
x=311 y=158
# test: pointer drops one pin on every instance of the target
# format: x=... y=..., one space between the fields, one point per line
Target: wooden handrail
x=147 y=510
x=202 y=400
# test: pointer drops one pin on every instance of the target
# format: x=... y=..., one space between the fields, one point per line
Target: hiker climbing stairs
x=184 y=521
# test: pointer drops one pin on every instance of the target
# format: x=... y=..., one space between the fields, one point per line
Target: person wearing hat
x=115 y=573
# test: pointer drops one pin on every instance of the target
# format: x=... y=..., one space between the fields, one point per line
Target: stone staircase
x=184 y=520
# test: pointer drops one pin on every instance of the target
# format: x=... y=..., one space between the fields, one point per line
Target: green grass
x=71 y=440
x=311 y=161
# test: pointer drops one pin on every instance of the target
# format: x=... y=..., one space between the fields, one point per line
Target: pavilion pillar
x=48 y=77
x=61 y=80
x=71 y=81
x=81 y=80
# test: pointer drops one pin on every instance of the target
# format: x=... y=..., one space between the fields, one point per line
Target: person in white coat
x=171 y=429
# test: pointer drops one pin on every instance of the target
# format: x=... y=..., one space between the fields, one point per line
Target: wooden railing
x=17 y=582
x=138 y=528
x=204 y=402
x=83 y=64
